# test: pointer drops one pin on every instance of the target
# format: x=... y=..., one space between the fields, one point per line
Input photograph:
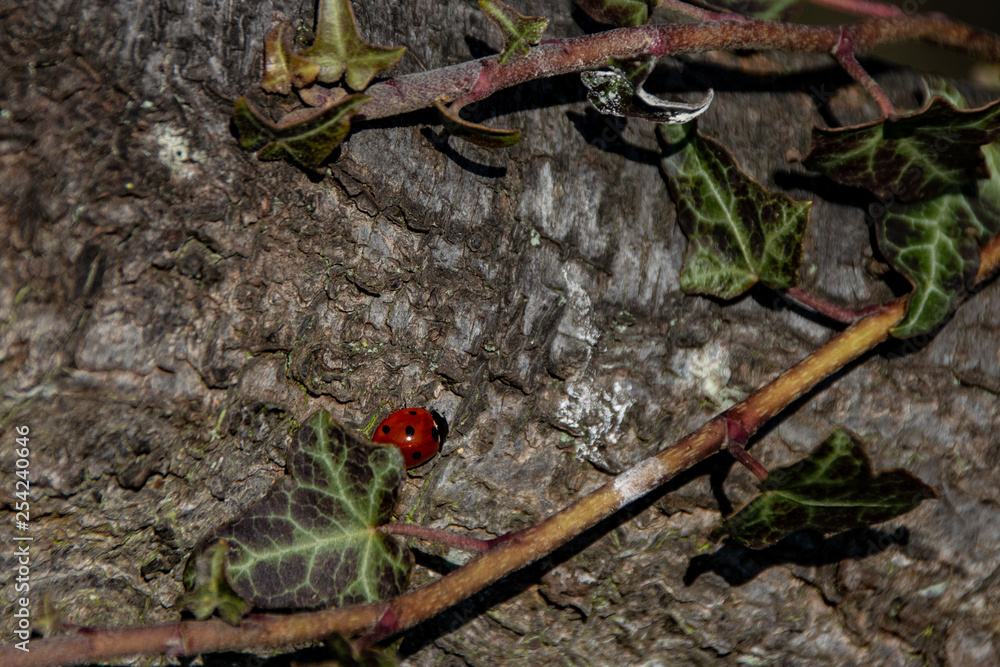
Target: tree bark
x=170 y=308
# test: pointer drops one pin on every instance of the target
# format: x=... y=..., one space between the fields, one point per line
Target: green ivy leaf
x=912 y=157
x=283 y=68
x=208 y=587
x=520 y=32
x=738 y=232
x=935 y=244
x=832 y=490
x=620 y=93
x=306 y=137
x=338 y=47
x=312 y=541
x=766 y=10
x=621 y=13
x=474 y=133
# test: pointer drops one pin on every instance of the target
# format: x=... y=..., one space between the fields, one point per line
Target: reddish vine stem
x=844 y=54
x=477 y=79
x=736 y=441
x=820 y=305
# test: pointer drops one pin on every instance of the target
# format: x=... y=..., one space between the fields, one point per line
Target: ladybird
x=414 y=430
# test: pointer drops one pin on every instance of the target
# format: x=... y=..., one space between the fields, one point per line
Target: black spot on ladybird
x=410 y=432
x=385 y=429
x=416 y=456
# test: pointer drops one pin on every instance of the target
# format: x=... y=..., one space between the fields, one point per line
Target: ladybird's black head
x=441 y=423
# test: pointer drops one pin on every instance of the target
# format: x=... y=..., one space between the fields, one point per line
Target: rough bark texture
x=170 y=307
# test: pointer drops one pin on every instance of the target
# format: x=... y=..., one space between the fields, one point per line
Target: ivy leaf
x=208 y=587
x=306 y=137
x=519 y=32
x=766 y=10
x=338 y=47
x=615 y=95
x=474 y=133
x=832 y=490
x=621 y=13
x=312 y=541
x=912 y=157
x=935 y=244
x=738 y=232
x=283 y=68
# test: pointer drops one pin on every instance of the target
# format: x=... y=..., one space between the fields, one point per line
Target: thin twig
x=736 y=441
x=749 y=462
x=821 y=305
x=844 y=53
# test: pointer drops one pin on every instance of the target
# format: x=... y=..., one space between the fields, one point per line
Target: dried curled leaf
x=738 y=231
x=831 y=490
x=480 y=135
x=305 y=138
x=619 y=92
x=283 y=67
x=339 y=49
x=520 y=32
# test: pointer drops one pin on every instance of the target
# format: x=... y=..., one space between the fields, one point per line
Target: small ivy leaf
x=614 y=95
x=621 y=13
x=283 y=68
x=831 y=490
x=912 y=157
x=738 y=231
x=338 y=47
x=480 y=135
x=208 y=587
x=519 y=32
x=306 y=137
x=766 y=10
x=344 y=655
x=312 y=541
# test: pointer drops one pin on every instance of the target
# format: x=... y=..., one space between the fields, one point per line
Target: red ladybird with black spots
x=417 y=432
